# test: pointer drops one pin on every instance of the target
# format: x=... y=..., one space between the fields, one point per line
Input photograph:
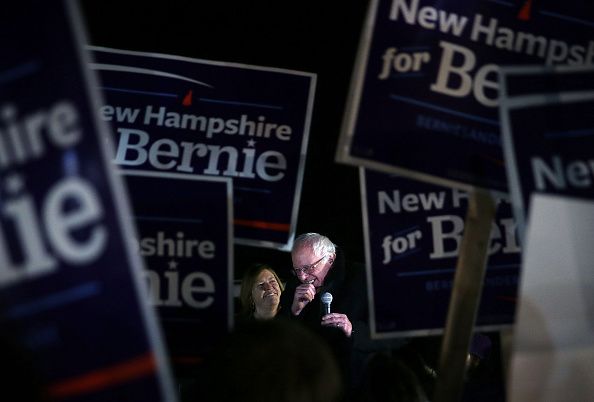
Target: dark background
x=316 y=36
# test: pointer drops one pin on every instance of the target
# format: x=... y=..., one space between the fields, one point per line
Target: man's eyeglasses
x=306 y=269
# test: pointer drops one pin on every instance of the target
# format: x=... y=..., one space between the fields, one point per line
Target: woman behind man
x=260 y=293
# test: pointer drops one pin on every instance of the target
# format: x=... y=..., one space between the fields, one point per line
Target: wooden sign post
x=466 y=294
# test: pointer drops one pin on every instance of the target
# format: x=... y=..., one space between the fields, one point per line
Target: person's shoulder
x=355 y=269
x=243 y=319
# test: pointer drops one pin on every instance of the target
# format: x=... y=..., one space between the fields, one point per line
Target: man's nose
x=301 y=275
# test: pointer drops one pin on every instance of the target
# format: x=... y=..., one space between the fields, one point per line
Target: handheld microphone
x=326 y=301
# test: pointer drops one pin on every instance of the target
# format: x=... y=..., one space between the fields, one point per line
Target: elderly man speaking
x=319 y=268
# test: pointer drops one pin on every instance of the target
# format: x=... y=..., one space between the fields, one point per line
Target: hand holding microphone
x=338 y=320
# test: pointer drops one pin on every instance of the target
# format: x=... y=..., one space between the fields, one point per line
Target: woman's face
x=266 y=290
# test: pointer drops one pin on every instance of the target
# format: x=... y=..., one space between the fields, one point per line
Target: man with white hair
x=319 y=267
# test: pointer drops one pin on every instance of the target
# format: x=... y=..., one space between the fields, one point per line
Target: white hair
x=320 y=244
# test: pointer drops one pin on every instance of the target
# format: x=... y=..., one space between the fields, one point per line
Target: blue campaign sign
x=425 y=90
x=530 y=80
x=185 y=235
x=201 y=117
x=548 y=143
x=412 y=233
x=70 y=285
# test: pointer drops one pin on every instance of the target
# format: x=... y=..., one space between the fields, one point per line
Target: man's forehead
x=303 y=252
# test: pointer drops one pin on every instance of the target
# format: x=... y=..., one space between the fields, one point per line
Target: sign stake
x=466 y=294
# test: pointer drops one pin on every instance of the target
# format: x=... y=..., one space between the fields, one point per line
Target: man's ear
x=331 y=259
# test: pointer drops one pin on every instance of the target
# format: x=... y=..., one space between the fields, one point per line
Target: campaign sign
x=425 y=89
x=530 y=80
x=413 y=232
x=70 y=285
x=549 y=146
x=185 y=236
x=554 y=331
x=191 y=116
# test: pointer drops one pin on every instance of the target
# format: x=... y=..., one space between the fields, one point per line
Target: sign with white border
x=183 y=115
